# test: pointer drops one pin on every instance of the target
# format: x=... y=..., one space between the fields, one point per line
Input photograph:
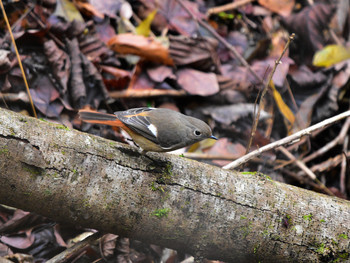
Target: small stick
x=147 y=93
x=343 y=166
x=256 y=120
x=303 y=167
x=340 y=138
x=18 y=58
x=69 y=252
x=299 y=163
x=227 y=7
x=287 y=140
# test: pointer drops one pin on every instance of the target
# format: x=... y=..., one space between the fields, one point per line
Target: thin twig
x=299 y=163
x=328 y=164
x=227 y=7
x=19 y=20
x=303 y=167
x=335 y=37
x=257 y=117
x=344 y=166
x=18 y=58
x=339 y=139
x=69 y=252
x=287 y=140
x=43 y=26
x=135 y=93
x=14 y=97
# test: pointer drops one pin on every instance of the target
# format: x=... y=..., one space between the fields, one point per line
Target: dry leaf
x=282 y=7
x=145 y=47
x=197 y=83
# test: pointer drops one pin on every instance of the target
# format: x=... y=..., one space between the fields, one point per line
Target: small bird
x=154 y=129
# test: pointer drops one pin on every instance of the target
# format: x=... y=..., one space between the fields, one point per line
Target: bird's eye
x=197 y=132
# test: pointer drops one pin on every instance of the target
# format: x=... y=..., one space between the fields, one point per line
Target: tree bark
x=77 y=178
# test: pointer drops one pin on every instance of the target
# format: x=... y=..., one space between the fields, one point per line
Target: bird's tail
x=98 y=117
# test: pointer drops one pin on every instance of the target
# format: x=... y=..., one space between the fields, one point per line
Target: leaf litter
x=113 y=55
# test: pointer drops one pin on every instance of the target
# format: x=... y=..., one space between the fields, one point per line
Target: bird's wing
x=138 y=120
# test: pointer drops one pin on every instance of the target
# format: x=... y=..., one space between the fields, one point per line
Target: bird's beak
x=213 y=137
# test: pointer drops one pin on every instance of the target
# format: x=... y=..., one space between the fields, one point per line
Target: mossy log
x=81 y=179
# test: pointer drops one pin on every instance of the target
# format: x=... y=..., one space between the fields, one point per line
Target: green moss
x=75 y=175
x=12 y=132
x=307 y=217
x=62 y=127
x=275 y=237
x=48 y=192
x=344 y=255
x=167 y=172
x=268 y=178
x=246 y=229
x=34 y=171
x=21 y=119
x=164 y=179
x=154 y=187
x=265 y=233
x=287 y=221
x=322 y=221
x=321 y=248
x=109 y=205
x=165 y=197
x=161 y=212
x=243 y=217
x=334 y=242
x=54 y=175
x=344 y=236
x=4 y=150
x=249 y=173
x=206 y=205
x=110 y=156
x=86 y=203
x=256 y=248
x=224 y=15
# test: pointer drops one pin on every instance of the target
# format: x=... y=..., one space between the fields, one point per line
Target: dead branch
x=287 y=140
x=147 y=93
x=206 y=211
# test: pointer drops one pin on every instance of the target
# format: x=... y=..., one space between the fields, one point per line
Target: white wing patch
x=153 y=129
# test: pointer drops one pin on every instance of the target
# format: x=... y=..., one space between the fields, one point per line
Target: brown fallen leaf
x=88 y=9
x=171 y=15
x=160 y=73
x=229 y=114
x=60 y=64
x=199 y=53
x=108 y=245
x=224 y=147
x=145 y=47
x=197 y=83
x=282 y=7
